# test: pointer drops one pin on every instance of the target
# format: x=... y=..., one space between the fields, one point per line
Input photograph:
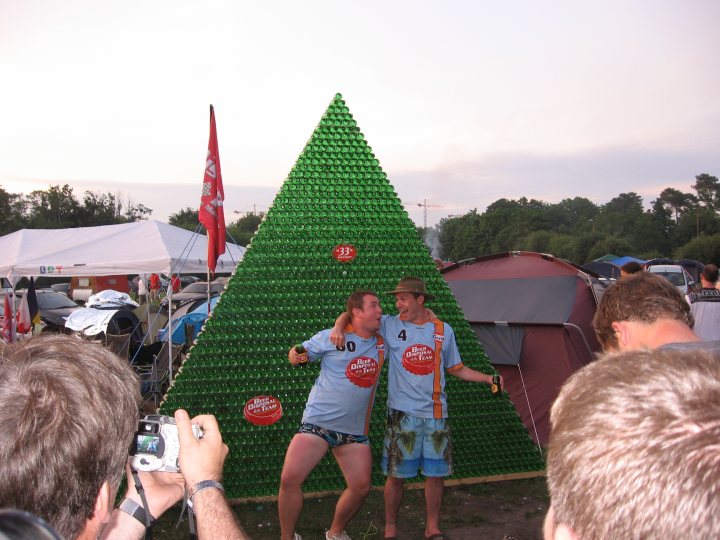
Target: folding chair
x=119 y=344
x=155 y=378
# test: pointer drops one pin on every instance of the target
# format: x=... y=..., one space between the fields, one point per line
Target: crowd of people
x=633 y=449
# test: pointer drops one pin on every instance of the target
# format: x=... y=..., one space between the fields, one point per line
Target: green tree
x=244 y=228
x=619 y=216
x=705 y=249
x=708 y=191
x=677 y=201
x=572 y=216
x=11 y=212
x=56 y=208
x=187 y=218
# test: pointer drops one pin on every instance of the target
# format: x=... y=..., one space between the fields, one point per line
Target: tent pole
x=170 y=329
x=532 y=418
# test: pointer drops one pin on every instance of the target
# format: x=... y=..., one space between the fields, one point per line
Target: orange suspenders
x=439 y=337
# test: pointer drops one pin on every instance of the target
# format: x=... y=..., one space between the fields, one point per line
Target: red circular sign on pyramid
x=419 y=359
x=362 y=371
x=263 y=410
x=344 y=253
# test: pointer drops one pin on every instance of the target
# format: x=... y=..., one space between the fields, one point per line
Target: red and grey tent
x=533 y=315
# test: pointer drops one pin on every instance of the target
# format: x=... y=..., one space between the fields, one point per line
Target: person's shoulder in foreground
x=633 y=450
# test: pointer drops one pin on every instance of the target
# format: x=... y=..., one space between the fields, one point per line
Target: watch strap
x=135 y=510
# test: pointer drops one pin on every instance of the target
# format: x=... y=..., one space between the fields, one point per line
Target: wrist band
x=205 y=484
x=135 y=510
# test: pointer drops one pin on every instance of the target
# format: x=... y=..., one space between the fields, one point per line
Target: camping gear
x=532 y=313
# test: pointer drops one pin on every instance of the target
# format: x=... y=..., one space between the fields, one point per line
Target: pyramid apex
x=338 y=97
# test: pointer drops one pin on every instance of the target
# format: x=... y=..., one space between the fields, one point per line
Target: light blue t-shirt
x=342 y=397
x=416 y=382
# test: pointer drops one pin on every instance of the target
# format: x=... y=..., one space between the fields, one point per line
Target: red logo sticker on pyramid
x=362 y=371
x=419 y=359
x=344 y=253
x=263 y=410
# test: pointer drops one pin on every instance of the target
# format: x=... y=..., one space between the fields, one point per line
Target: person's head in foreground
x=68 y=410
x=635 y=449
x=643 y=310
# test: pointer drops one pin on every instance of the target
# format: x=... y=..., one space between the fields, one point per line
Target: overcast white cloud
x=463 y=102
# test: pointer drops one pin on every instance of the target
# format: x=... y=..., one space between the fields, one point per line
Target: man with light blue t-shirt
x=337 y=415
x=420 y=349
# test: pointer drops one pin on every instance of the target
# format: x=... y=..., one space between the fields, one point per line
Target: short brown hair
x=710 y=273
x=631 y=267
x=635 y=447
x=356 y=300
x=642 y=297
x=68 y=411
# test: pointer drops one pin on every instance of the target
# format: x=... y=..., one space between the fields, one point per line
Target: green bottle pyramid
x=336 y=225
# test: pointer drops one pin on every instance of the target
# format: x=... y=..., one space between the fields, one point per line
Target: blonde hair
x=635 y=447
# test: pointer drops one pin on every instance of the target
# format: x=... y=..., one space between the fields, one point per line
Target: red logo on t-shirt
x=419 y=359
x=263 y=410
x=362 y=371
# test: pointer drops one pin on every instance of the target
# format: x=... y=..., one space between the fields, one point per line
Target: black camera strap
x=149 y=521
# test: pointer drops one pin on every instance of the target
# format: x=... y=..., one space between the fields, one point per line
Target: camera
x=156 y=445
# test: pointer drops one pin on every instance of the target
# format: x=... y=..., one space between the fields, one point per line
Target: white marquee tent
x=141 y=247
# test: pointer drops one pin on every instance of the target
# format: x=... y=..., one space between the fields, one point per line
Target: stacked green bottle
x=336 y=225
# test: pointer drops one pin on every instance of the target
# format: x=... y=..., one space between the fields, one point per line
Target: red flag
x=211 y=203
x=7 y=328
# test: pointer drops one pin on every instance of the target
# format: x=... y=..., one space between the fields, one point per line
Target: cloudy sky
x=463 y=102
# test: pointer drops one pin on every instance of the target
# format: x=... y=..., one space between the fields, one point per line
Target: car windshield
x=54 y=301
x=676 y=278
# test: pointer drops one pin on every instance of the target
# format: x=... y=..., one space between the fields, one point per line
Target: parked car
x=54 y=308
x=195 y=291
x=676 y=275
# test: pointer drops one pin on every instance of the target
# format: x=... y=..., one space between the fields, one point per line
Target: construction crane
x=425 y=206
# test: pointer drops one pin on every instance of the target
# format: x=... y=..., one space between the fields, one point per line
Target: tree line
x=678 y=225
x=59 y=208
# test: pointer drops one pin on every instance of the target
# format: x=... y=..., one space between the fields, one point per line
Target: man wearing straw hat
x=420 y=350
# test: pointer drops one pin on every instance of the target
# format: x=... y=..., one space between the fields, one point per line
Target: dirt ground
x=508 y=510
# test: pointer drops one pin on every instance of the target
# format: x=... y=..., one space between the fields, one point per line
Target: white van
x=675 y=274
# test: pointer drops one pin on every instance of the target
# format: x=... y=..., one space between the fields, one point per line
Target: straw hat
x=412 y=284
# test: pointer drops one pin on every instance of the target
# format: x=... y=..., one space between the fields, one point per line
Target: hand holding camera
x=157 y=444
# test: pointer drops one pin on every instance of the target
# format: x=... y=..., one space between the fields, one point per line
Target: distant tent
x=603 y=269
x=532 y=313
x=626 y=259
x=607 y=258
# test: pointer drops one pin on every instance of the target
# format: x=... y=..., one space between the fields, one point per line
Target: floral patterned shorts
x=413 y=443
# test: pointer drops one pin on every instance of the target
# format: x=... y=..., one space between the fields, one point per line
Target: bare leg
x=433 y=500
x=355 y=462
x=393 y=499
x=303 y=454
